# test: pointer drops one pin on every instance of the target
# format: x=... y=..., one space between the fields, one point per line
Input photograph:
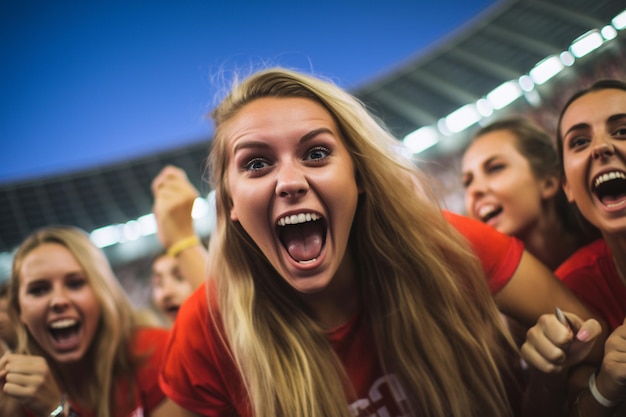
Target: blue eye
x=255 y=164
x=318 y=153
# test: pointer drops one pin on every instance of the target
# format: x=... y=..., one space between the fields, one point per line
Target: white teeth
x=307 y=262
x=298 y=218
x=485 y=210
x=609 y=176
x=61 y=324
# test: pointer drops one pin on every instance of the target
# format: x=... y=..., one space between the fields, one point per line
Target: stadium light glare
x=504 y=94
x=131 y=230
x=484 y=107
x=462 y=118
x=200 y=208
x=608 y=32
x=421 y=139
x=567 y=58
x=148 y=224
x=526 y=83
x=619 y=21
x=106 y=236
x=586 y=43
x=546 y=69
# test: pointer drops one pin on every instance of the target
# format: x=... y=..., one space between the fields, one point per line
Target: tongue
x=613 y=200
x=303 y=241
x=66 y=338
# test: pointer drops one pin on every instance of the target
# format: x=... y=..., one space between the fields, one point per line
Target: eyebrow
x=610 y=119
x=262 y=144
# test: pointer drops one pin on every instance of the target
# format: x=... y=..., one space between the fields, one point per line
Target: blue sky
x=88 y=83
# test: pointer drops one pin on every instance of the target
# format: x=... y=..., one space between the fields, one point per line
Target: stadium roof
x=503 y=44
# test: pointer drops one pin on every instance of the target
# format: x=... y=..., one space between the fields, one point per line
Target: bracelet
x=60 y=408
x=605 y=402
x=186 y=243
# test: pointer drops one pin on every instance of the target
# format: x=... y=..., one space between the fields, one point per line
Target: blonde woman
x=335 y=287
x=81 y=351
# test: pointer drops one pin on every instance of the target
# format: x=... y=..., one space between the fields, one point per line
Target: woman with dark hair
x=512 y=180
x=592 y=147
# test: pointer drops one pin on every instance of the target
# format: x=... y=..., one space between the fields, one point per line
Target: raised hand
x=28 y=380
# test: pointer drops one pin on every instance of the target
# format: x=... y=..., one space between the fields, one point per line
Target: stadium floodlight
x=586 y=43
x=200 y=208
x=421 y=139
x=608 y=32
x=619 y=21
x=131 y=230
x=462 y=118
x=106 y=236
x=526 y=82
x=546 y=69
x=484 y=107
x=504 y=94
x=567 y=58
x=147 y=224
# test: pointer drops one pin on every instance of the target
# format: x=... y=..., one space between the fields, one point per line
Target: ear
x=549 y=187
x=567 y=190
x=233 y=214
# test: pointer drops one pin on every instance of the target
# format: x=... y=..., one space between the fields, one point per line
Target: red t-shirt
x=498 y=253
x=200 y=376
x=149 y=344
x=591 y=274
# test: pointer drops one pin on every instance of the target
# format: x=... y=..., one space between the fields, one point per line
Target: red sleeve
x=198 y=373
x=149 y=344
x=499 y=254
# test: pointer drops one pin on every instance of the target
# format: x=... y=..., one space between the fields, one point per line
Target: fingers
x=545 y=344
x=589 y=330
x=552 y=347
x=169 y=172
x=174 y=196
x=29 y=380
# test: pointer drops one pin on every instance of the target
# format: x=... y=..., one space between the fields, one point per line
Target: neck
x=76 y=378
x=339 y=301
x=549 y=242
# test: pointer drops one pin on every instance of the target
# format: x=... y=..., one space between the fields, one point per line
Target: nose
x=603 y=150
x=474 y=191
x=476 y=188
x=59 y=301
x=291 y=181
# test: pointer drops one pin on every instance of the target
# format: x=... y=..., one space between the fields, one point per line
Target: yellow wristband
x=181 y=245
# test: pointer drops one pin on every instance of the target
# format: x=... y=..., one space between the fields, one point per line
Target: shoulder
x=590 y=257
x=198 y=312
x=475 y=231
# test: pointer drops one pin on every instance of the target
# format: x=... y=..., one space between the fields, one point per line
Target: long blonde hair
x=110 y=347
x=434 y=321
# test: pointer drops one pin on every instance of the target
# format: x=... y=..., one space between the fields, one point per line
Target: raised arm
x=174 y=196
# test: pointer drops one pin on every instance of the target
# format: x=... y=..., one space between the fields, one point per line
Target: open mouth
x=172 y=310
x=64 y=331
x=303 y=236
x=610 y=188
x=488 y=212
